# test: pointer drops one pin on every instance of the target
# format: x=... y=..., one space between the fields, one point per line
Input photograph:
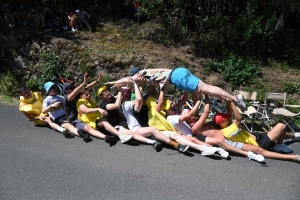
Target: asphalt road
x=39 y=163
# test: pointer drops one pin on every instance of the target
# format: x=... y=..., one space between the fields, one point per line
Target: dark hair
x=22 y=88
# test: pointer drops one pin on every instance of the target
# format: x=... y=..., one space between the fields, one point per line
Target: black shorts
x=59 y=120
x=264 y=141
x=200 y=137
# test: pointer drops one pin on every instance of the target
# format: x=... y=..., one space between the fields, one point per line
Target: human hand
x=118 y=87
x=85 y=78
x=99 y=77
x=103 y=112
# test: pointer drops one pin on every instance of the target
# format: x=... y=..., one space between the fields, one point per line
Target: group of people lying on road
x=153 y=119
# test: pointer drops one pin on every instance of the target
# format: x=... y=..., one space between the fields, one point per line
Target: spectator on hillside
x=62 y=18
x=73 y=21
x=9 y=18
x=48 y=19
x=21 y=16
x=83 y=17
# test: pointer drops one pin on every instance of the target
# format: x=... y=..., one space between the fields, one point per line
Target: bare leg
x=277 y=133
x=70 y=128
x=223 y=145
x=195 y=140
x=148 y=131
x=181 y=140
x=214 y=91
x=268 y=154
x=94 y=132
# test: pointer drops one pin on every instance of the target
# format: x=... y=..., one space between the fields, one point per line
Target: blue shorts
x=183 y=79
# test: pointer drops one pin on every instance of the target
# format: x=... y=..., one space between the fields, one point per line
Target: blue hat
x=133 y=70
x=48 y=85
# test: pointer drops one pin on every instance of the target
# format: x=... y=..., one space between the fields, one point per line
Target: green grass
x=11 y=101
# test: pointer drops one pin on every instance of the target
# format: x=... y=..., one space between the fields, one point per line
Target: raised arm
x=117 y=104
x=198 y=125
x=91 y=85
x=76 y=91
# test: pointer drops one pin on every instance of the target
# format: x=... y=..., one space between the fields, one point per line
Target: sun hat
x=48 y=85
x=100 y=90
x=133 y=70
x=221 y=117
x=66 y=85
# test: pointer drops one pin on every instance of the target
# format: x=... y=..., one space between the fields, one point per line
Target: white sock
x=60 y=129
x=149 y=141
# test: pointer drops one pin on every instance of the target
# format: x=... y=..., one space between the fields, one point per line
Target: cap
x=133 y=70
x=125 y=92
x=66 y=85
x=100 y=90
x=48 y=85
x=221 y=117
x=77 y=11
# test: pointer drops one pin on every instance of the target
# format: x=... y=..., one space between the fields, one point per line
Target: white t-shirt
x=132 y=122
x=182 y=127
x=58 y=111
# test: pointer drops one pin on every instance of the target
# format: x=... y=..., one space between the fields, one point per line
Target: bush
x=49 y=70
x=9 y=84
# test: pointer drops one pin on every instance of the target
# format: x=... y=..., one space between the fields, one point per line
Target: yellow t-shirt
x=33 y=106
x=88 y=118
x=242 y=136
x=157 y=119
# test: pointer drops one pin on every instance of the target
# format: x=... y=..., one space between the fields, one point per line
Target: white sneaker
x=222 y=152
x=124 y=138
x=206 y=151
x=297 y=134
x=241 y=102
x=73 y=29
x=282 y=148
x=256 y=157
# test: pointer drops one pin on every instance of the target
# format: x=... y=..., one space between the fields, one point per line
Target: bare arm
x=50 y=107
x=76 y=91
x=182 y=100
x=91 y=85
x=84 y=110
x=193 y=112
x=198 y=125
x=117 y=104
x=160 y=101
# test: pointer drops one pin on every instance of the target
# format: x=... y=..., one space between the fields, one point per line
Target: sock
x=149 y=141
x=173 y=144
x=60 y=129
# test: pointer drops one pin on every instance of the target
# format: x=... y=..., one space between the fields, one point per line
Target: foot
x=182 y=148
x=256 y=157
x=65 y=132
x=84 y=135
x=240 y=102
x=110 y=139
x=157 y=146
x=282 y=148
x=206 y=151
x=222 y=152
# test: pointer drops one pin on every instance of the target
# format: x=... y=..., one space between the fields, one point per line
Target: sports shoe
x=282 y=148
x=157 y=146
x=240 y=102
x=110 y=139
x=297 y=135
x=222 y=152
x=124 y=138
x=73 y=29
x=85 y=136
x=206 y=151
x=65 y=132
x=256 y=157
x=182 y=148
